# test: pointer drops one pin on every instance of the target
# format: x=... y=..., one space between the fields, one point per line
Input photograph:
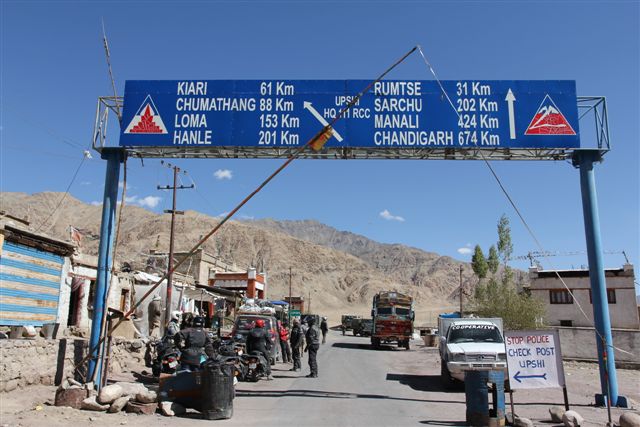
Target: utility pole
x=289 y=296
x=461 y=291
x=173 y=212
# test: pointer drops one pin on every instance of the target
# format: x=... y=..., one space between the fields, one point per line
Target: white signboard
x=534 y=359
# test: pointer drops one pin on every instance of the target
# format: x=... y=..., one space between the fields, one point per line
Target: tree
x=499 y=297
x=505 y=246
x=493 y=262
x=479 y=263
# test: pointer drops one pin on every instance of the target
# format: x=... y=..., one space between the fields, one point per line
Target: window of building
x=611 y=296
x=560 y=296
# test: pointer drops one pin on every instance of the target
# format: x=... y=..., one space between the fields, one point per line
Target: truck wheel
x=445 y=376
x=406 y=345
x=355 y=334
x=375 y=343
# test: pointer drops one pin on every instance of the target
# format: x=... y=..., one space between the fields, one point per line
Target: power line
x=64 y=195
x=513 y=204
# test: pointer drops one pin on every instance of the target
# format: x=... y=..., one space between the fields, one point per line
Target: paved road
x=357 y=386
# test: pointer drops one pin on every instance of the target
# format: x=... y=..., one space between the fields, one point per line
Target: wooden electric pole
x=173 y=212
x=289 y=296
x=461 y=292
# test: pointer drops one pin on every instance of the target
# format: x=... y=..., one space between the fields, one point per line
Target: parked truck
x=393 y=317
x=470 y=344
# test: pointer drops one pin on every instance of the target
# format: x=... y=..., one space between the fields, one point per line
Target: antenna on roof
x=113 y=83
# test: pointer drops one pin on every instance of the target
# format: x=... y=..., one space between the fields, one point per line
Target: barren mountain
x=341 y=271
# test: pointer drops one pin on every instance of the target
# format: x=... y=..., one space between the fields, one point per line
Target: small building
x=81 y=282
x=250 y=283
x=562 y=307
x=295 y=303
x=33 y=273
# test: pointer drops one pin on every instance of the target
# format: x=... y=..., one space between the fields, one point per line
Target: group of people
x=196 y=344
x=303 y=338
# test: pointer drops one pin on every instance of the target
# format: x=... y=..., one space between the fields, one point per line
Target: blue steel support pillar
x=113 y=156
x=584 y=159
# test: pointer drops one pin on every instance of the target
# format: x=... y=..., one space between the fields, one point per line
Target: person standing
x=324 y=328
x=284 y=343
x=313 y=344
x=296 y=339
x=154 y=316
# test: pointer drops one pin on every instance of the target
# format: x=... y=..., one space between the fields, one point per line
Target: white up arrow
x=512 y=117
x=321 y=119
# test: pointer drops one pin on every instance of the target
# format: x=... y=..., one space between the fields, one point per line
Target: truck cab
x=470 y=345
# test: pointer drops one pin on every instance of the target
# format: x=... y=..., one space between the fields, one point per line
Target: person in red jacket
x=284 y=343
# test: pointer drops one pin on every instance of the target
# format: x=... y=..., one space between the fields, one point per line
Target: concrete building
x=562 y=307
x=250 y=283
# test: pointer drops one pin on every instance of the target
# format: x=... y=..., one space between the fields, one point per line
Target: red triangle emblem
x=147 y=120
x=548 y=120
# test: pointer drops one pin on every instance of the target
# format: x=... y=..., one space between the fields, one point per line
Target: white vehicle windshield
x=474 y=333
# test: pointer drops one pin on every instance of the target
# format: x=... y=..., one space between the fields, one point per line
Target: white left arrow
x=321 y=119
x=512 y=115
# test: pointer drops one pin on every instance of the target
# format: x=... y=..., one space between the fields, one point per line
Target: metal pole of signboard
x=584 y=159
x=566 y=398
x=113 y=156
x=513 y=407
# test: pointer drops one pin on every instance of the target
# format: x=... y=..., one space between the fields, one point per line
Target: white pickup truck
x=470 y=344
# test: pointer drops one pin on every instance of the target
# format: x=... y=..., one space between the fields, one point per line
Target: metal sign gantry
x=519 y=133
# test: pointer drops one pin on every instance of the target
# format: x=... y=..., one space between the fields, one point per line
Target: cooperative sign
x=534 y=359
x=409 y=114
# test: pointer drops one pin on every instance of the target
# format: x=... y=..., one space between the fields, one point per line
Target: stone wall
x=40 y=361
x=580 y=343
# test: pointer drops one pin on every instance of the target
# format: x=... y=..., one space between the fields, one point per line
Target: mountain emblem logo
x=147 y=119
x=548 y=120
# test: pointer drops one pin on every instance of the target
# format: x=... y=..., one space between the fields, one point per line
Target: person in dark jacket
x=258 y=341
x=195 y=345
x=324 y=328
x=313 y=344
x=296 y=338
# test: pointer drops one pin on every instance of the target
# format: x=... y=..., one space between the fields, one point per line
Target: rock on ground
x=109 y=394
x=556 y=413
x=141 y=408
x=523 y=422
x=630 y=419
x=119 y=404
x=572 y=419
x=147 y=397
x=170 y=409
x=90 y=404
x=131 y=388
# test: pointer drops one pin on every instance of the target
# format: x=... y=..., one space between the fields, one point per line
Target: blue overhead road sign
x=394 y=114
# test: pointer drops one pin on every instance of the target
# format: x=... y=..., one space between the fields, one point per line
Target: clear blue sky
x=53 y=70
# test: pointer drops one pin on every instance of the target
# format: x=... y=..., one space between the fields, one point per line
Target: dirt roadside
x=32 y=406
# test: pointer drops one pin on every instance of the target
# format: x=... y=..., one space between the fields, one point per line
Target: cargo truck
x=393 y=317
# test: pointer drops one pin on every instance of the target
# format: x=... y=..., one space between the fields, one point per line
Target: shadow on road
x=443 y=423
x=424 y=383
x=330 y=395
x=365 y=346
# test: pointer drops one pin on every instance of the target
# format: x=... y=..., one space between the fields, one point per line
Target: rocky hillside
x=340 y=270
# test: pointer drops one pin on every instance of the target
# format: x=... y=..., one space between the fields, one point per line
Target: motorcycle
x=255 y=366
x=166 y=360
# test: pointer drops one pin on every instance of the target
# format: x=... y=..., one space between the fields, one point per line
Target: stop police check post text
x=529 y=351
